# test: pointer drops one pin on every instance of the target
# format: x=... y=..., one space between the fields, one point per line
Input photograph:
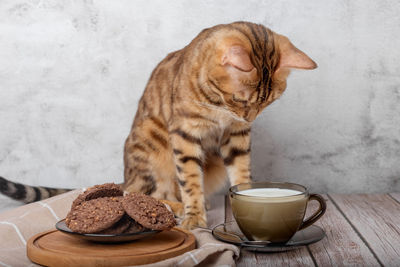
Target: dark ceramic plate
x=61 y=226
x=229 y=232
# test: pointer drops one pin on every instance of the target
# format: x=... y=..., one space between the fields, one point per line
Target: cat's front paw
x=176 y=207
x=192 y=221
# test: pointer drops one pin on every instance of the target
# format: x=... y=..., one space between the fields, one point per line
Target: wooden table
x=361 y=230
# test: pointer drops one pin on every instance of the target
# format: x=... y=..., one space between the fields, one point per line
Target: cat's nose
x=251 y=116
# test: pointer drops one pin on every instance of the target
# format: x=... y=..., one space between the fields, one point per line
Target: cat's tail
x=27 y=193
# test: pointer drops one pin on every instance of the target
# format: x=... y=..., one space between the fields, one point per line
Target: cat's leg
x=138 y=174
x=149 y=161
x=235 y=150
x=176 y=207
x=215 y=176
x=189 y=160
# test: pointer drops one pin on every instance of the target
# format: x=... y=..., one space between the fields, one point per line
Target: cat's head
x=249 y=66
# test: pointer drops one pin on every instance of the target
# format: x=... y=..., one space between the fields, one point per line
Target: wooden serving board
x=53 y=248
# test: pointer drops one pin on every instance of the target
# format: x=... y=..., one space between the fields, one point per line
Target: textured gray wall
x=71 y=74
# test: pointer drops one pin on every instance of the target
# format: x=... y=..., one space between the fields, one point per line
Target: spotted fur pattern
x=191 y=131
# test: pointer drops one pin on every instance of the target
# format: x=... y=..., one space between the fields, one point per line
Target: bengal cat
x=192 y=127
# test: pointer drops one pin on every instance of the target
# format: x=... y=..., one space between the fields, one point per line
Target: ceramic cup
x=272 y=211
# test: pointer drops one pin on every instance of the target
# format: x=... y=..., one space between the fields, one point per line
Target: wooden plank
x=341 y=246
x=396 y=196
x=376 y=217
x=298 y=257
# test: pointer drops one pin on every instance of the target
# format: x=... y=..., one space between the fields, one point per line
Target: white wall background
x=71 y=74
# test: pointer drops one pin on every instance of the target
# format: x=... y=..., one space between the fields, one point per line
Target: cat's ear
x=237 y=56
x=291 y=56
x=237 y=64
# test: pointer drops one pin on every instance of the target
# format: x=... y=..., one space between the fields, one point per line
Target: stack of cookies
x=103 y=209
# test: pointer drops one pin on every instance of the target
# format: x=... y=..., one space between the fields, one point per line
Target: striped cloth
x=19 y=224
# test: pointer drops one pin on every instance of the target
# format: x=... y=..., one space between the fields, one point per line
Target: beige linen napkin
x=18 y=225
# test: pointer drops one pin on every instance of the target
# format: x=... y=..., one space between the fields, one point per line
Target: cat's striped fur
x=26 y=193
x=192 y=127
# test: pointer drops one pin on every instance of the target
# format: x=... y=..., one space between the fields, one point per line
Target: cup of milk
x=272 y=211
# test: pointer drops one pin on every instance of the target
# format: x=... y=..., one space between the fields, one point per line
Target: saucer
x=229 y=232
x=61 y=226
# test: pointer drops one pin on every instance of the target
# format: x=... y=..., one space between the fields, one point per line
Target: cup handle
x=313 y=218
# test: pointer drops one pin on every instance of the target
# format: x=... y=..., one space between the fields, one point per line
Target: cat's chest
x=211 y=142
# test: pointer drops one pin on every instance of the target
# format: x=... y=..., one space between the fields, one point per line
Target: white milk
x=269 y=192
